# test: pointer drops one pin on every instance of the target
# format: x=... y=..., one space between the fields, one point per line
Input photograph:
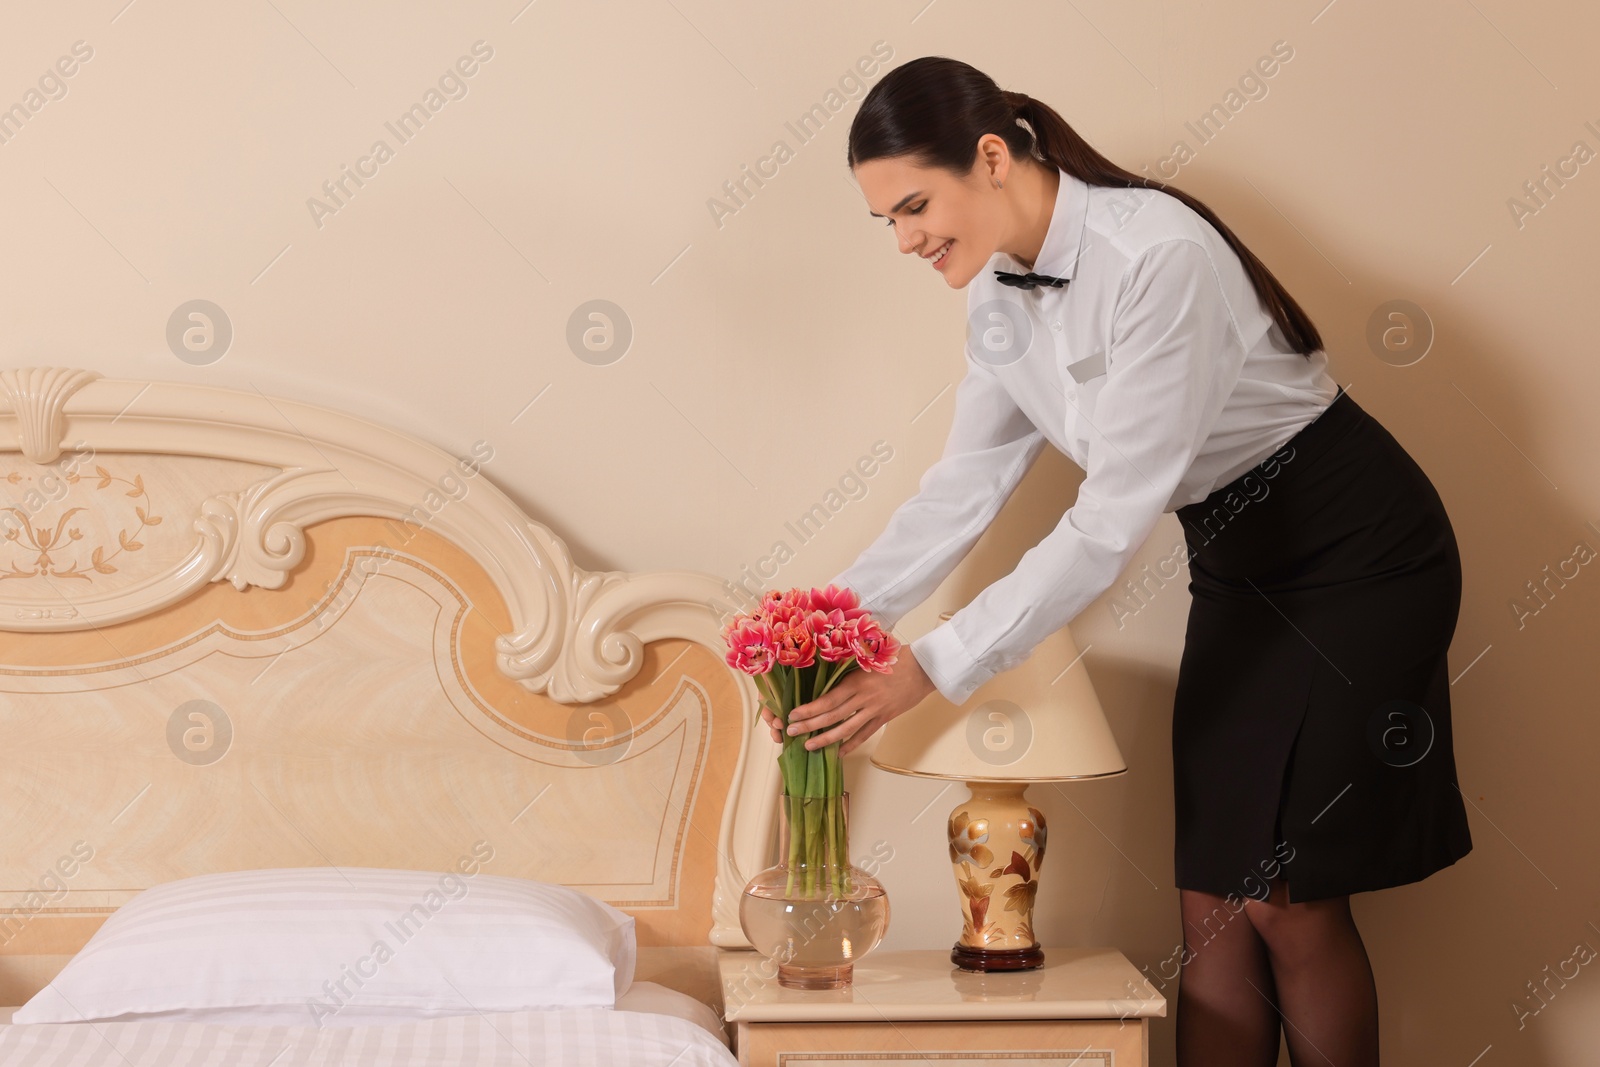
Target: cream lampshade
x=998 y=746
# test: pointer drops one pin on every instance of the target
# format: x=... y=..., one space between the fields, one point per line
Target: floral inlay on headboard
x=45 y=543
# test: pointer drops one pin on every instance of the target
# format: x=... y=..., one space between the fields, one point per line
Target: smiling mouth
x=943 y=251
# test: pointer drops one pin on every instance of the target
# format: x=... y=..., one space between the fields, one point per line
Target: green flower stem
x=793 y=858
x=813 y=781
x=816 y=773
x=839 y=863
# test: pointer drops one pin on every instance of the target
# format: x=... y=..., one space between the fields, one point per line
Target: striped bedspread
x=551 y=1038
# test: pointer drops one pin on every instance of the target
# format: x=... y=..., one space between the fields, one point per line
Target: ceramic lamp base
x=996 y=849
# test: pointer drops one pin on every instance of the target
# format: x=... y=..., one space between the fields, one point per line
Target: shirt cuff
x=948 y=664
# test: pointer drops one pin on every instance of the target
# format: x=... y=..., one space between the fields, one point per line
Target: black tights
x=1253 y=971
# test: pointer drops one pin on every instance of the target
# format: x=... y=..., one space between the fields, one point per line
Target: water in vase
x=815 y=941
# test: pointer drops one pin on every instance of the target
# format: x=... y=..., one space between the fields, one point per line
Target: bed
x=245 y=633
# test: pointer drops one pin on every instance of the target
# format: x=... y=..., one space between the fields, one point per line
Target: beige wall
x=774 y=344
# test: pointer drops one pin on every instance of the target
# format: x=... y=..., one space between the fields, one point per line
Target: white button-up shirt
x=1158 y=370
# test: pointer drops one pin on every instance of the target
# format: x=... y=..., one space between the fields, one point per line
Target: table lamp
x=997 y=747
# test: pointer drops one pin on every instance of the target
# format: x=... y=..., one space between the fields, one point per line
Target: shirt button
x=1056 y=325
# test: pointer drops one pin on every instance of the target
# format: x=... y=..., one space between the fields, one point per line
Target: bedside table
x=1088 y=1007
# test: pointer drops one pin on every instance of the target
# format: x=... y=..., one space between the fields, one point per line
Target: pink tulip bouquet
x=798 y=645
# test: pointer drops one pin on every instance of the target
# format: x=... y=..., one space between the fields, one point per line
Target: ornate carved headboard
x=242 y=632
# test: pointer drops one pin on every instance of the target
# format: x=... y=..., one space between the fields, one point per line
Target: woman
x=1123 y=322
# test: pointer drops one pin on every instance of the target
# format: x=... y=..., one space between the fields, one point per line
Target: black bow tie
x=1029 y=280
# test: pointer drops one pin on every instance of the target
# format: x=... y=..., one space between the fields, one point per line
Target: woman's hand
x=858 y=704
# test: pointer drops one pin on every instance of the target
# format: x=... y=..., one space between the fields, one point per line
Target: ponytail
x=934 y=109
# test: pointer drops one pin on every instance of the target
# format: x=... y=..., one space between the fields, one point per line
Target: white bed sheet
x=564 y=1037
x=652 y=1026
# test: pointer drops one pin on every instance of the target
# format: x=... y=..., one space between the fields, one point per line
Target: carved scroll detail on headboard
x=577 y=634
x=37 y=395
x=253 y=546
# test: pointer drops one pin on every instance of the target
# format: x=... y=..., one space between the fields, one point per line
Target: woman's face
x=953 y=223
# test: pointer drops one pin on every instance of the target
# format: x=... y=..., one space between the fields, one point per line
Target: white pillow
x=330 y=942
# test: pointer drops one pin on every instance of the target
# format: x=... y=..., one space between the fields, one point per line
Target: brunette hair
x=934 y=109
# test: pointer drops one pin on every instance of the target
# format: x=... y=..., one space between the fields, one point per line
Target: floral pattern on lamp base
x=996 y=849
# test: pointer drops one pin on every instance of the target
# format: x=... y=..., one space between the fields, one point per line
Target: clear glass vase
x=814 y=913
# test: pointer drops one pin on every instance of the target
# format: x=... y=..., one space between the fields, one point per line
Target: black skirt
x=1311 y=725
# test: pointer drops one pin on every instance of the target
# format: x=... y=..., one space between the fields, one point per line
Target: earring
x=999 y=185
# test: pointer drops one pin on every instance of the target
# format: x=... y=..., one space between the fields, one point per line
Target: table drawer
x=1000 y=1043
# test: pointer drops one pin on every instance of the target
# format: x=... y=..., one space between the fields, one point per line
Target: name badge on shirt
x=1087 y=368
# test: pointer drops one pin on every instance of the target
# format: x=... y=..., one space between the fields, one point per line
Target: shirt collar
x=1063 y=241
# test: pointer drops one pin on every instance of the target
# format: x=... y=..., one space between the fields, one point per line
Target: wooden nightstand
x=1086 y=1006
